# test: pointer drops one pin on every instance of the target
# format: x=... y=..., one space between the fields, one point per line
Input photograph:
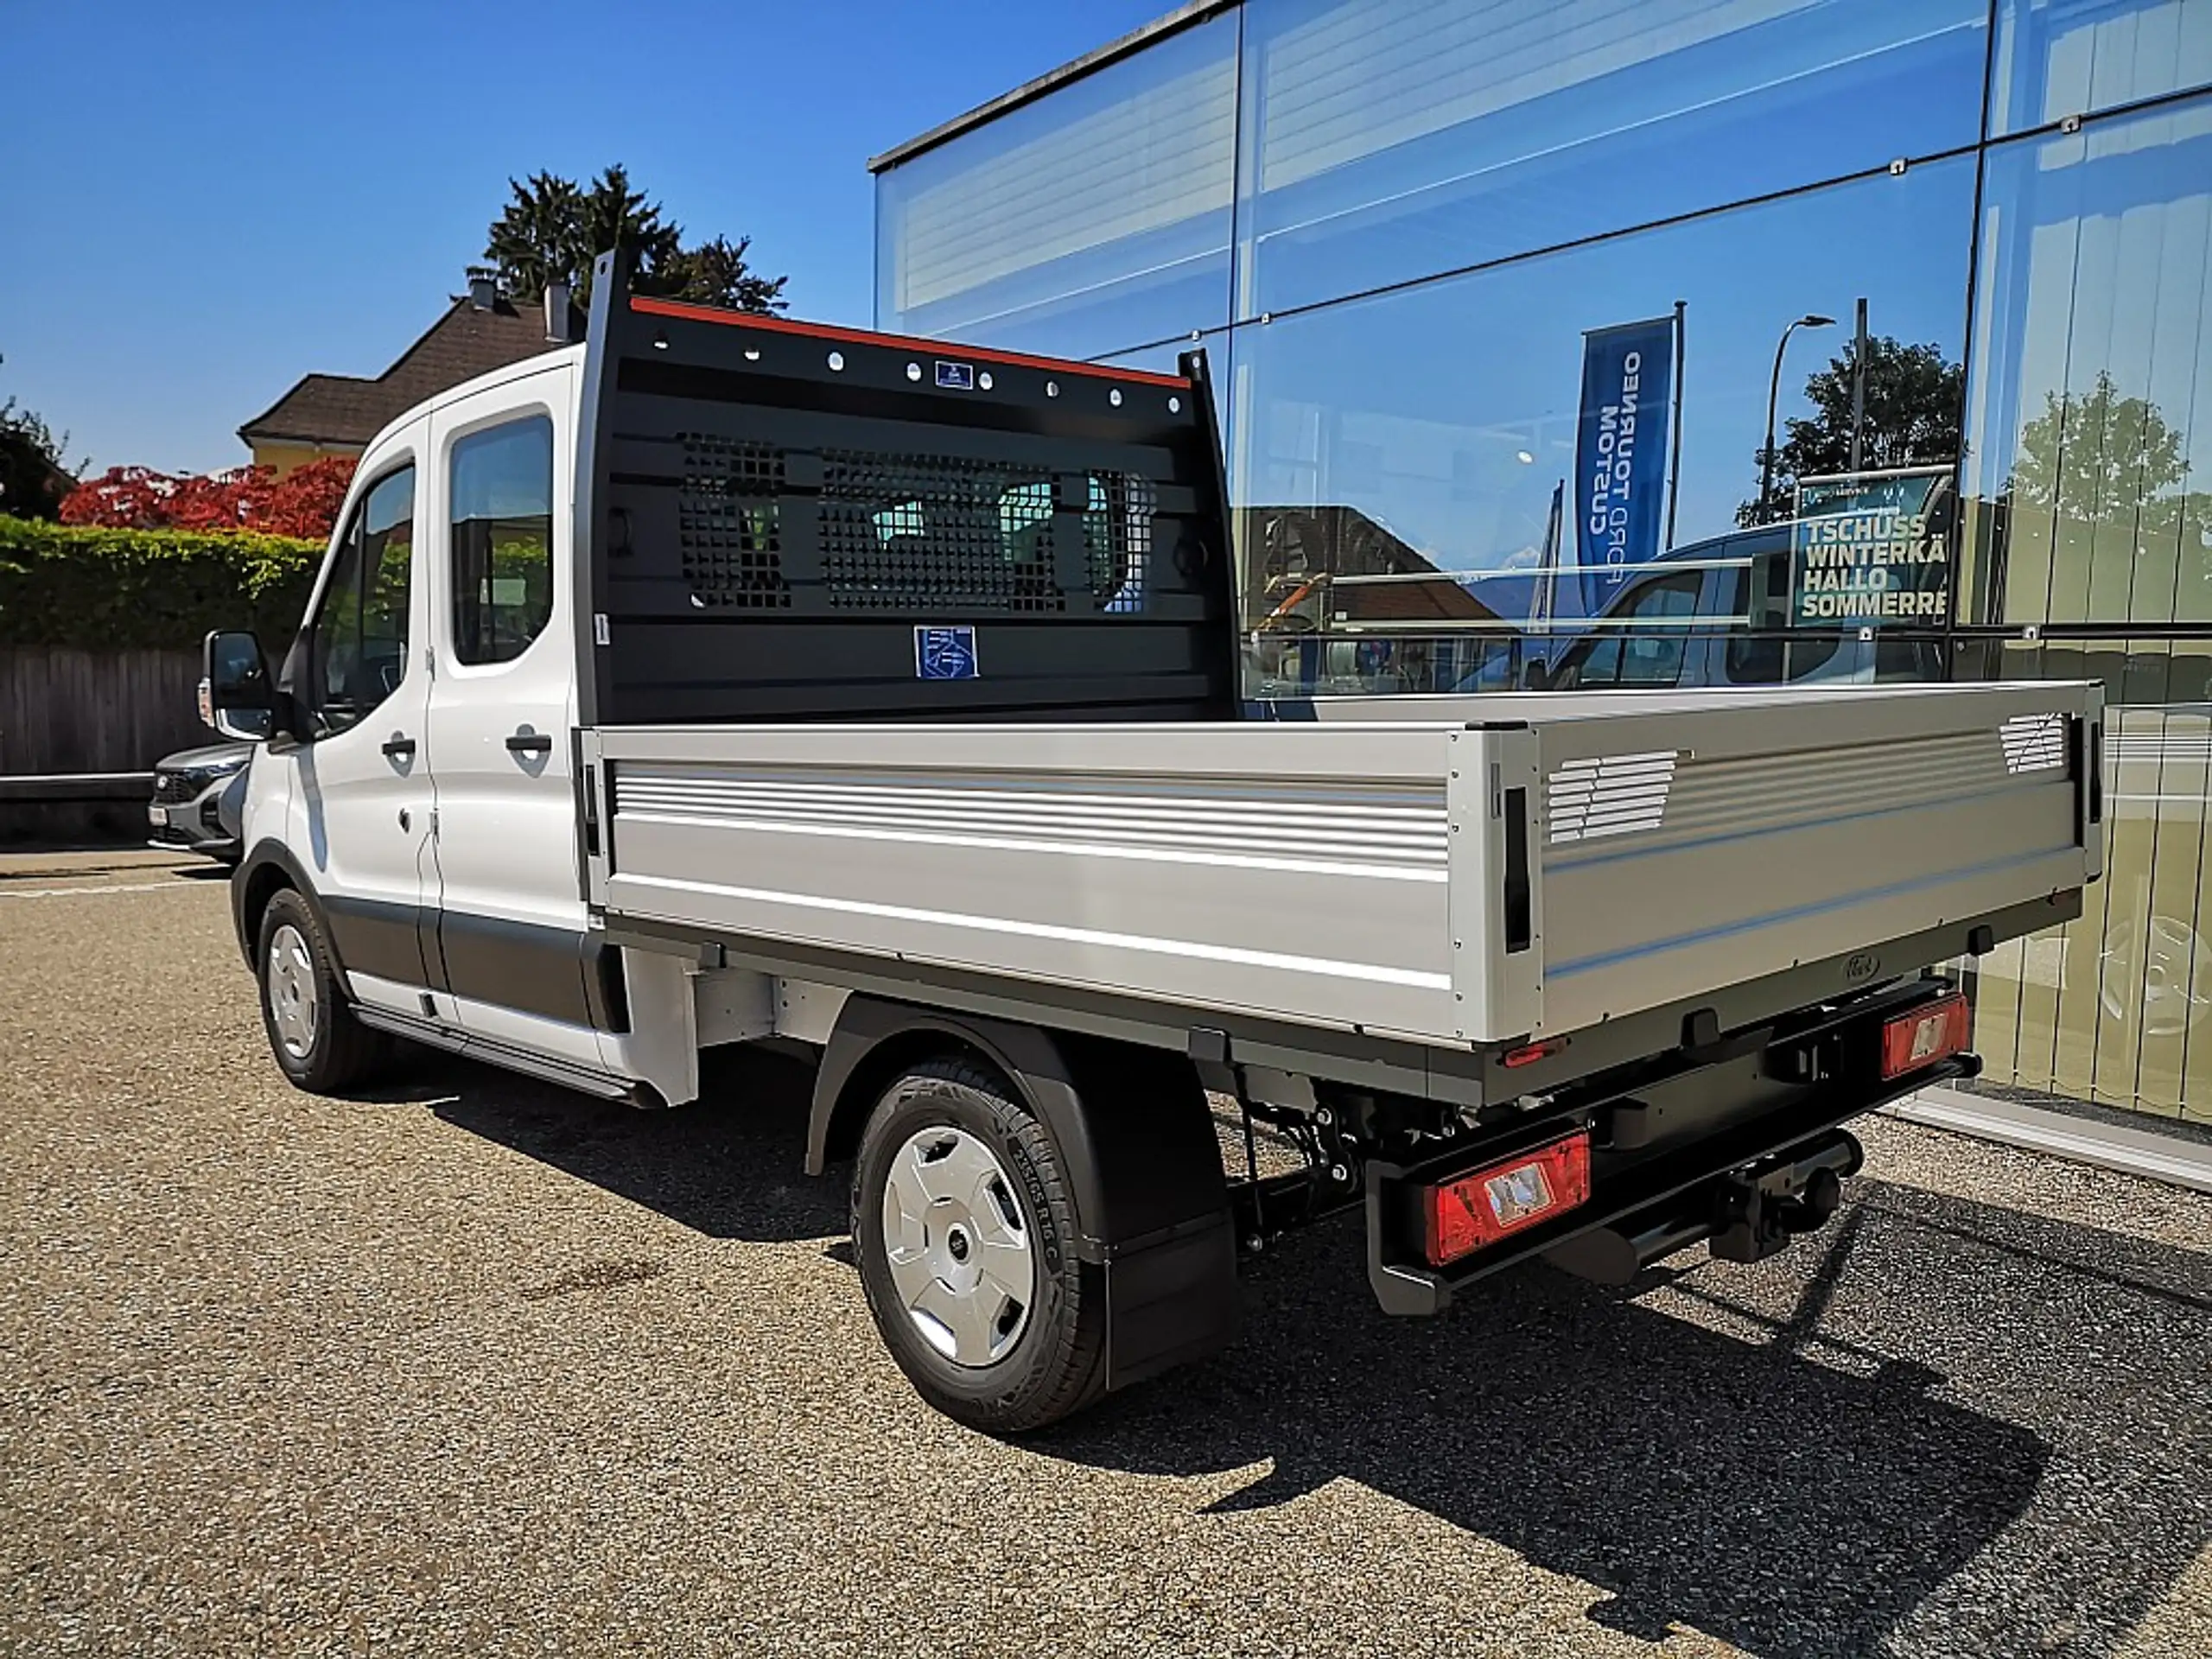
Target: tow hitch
x=1748 y=1214
x=1762 y=1209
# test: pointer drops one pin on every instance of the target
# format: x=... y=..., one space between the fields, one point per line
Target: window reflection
x=357 y=644
x=2056 y=58
x=1092 y=221
x=1425 y=442
x=502 y=540
x=2092 y=406
x=2117 y=1005
x=1643 y=646
x=1900 y=408
x=1390 y=139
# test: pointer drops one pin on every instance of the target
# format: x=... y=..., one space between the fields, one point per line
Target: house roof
x=346 y=410
x=1298 y=545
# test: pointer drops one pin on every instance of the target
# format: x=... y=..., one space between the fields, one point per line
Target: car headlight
x=197 y=778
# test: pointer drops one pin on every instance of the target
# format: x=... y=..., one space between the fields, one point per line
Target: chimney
x=483 y=287
x=556 y=312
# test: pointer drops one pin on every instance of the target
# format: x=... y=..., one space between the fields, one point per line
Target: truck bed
x=1453 y=871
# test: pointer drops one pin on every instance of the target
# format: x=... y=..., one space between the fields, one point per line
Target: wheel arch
x=260 y=875
x=875 y=1040
x=1132 y=1123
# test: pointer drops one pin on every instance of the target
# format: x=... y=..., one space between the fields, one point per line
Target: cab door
x=361 y=799
x=517 y=958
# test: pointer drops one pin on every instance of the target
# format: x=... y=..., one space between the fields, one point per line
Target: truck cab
x=425 y=785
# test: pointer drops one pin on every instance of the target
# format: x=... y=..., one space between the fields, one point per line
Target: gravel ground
x=476 y=1367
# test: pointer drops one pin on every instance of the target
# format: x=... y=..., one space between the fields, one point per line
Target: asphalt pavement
x=472 y=1366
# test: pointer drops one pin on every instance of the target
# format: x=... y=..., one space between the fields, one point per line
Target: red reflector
x=1529 y=1053
x=1469 y=1211
x=1933 y=1031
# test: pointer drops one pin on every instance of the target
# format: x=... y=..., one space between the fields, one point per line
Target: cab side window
x=1773 y=653
x=357 y=649
x=502 y=540
x=1623 y=655
x=1655 y=658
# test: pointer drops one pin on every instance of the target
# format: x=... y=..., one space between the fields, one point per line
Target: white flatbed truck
x=730 y=679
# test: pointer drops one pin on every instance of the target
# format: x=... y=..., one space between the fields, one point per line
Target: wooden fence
x=96 y=711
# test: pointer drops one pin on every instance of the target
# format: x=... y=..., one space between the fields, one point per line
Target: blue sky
x=202 y=202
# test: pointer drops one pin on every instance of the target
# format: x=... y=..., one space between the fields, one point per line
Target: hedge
x=96 y=589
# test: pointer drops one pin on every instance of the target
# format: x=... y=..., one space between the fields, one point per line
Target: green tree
x=1914 y=397
x=534 y=241
x=33 y=476
x=2097 y=457
x=2095 y=520
x=552 y=229
x=716 y=273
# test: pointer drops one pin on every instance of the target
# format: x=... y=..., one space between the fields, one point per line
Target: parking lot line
x=114 y=886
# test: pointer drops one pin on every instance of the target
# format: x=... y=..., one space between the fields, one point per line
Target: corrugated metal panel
x=1664 y=803
x=1160 y=154
x=1362 y=77
x=1283 y=827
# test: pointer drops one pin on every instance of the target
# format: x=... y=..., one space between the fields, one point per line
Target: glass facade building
x=1401 y=227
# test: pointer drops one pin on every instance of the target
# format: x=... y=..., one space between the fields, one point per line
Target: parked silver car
x=197 y=795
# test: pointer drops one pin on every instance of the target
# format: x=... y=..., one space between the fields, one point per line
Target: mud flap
x=1158 y=1217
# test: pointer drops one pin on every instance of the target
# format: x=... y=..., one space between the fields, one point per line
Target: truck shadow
x=1941 y=1427
x=728 y=1167
x=1945 y=1427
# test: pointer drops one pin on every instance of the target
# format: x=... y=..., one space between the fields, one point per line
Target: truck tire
x=964 y=1229
x=318 y=1043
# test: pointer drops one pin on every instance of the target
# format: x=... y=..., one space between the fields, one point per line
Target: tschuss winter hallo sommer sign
x=1866 y=548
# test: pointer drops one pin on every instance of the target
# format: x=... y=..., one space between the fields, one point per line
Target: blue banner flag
x=1620 y=458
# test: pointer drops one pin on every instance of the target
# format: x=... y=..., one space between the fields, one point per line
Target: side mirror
x=236 y=696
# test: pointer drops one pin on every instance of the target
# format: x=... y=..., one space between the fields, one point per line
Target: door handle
x=531 y=743
x=399 y=746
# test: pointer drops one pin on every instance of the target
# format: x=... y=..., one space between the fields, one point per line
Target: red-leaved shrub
x=304 y=502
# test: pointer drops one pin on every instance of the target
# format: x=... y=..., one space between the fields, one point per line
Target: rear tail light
x=1933 y=1031
x=1471 y=1210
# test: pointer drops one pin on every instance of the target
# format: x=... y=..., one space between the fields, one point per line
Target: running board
x=603 y=1085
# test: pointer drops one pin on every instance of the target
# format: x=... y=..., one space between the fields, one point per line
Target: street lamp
x=1810 y=320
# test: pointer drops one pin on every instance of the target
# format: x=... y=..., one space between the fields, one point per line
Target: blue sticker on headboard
x=945 y=653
